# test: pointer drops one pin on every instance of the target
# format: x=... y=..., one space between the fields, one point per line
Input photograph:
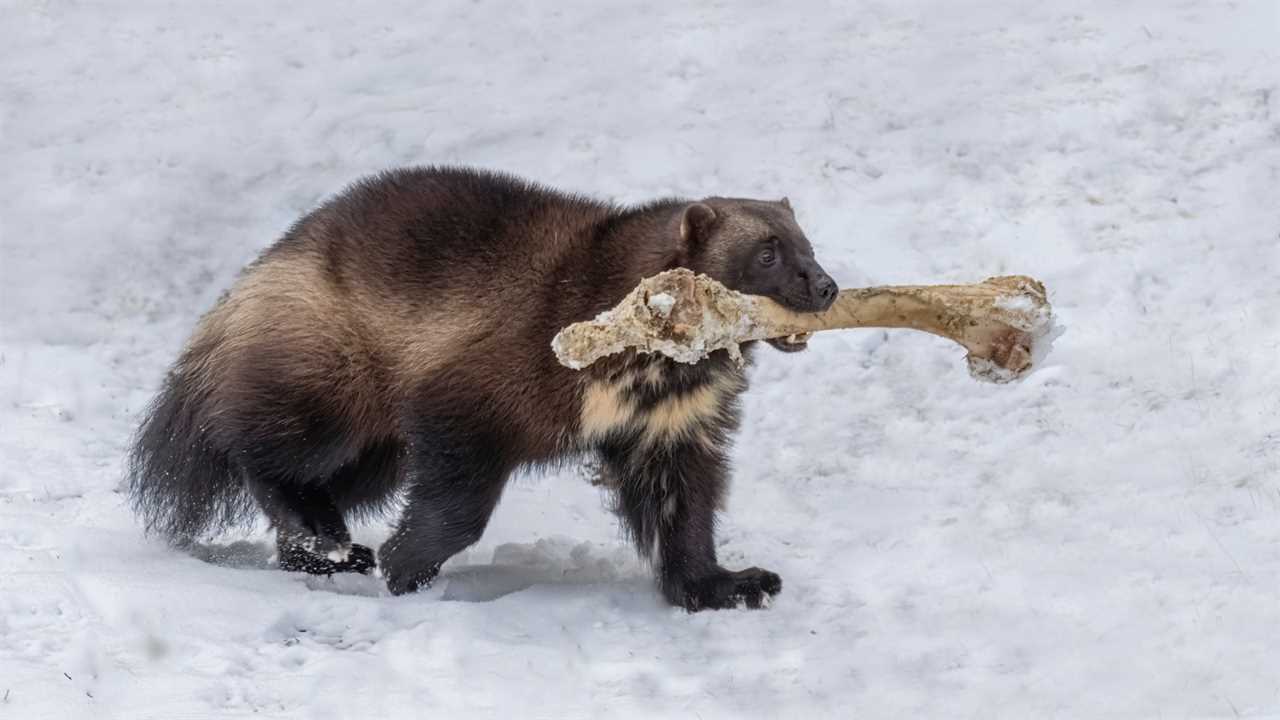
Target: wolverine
x=393 y=352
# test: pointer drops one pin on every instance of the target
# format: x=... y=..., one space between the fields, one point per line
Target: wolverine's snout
x=822 y=288
x=817 y=290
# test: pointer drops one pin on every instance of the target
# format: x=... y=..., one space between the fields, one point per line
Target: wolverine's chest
x=654 y=400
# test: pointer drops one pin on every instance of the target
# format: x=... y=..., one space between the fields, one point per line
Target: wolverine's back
x=412 y=278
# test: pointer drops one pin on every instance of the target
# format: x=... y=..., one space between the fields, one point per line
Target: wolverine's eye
x=768 y=257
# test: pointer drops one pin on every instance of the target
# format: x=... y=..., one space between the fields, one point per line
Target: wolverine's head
x=756 y=247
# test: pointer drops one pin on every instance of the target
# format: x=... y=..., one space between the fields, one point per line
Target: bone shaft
x=908 y=306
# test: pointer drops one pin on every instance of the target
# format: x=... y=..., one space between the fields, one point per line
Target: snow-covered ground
x=1100 y=540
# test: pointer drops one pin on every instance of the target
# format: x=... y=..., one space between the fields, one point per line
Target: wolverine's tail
x=180 y=483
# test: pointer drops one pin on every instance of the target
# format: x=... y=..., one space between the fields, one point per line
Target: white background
x=1101 y=540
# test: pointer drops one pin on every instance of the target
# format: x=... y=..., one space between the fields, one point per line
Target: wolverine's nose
x=823 y=290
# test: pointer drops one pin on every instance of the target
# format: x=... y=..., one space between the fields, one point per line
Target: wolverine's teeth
x=797 y=338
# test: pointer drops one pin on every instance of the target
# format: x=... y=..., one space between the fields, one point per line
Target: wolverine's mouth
x=791 y=343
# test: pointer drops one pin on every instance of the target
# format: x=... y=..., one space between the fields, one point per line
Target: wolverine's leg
x=311 y=535
x=668 y=496
x=456 y=479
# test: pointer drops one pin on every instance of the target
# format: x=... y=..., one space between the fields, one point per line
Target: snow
x=1099 y=540
x=1016 y=304
x=661 y=303
x=985 y=370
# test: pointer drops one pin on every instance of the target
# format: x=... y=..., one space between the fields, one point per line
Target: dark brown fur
x=397 y=339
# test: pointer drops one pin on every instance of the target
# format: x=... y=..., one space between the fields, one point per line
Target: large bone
x=687 y=316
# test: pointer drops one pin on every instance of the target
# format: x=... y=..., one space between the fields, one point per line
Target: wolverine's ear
x=695 y=224
x=787 y=204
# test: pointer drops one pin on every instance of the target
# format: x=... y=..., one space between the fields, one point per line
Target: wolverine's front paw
x=752 y=588
x=400 y=582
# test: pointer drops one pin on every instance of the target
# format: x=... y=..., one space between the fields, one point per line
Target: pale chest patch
x=678 y=417
x=605 y=408
x=638 y=401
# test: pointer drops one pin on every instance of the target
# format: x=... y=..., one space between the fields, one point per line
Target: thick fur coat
x=395 y=344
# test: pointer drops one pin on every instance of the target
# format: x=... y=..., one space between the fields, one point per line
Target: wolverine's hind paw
x=360 y=559
x=353 y=559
